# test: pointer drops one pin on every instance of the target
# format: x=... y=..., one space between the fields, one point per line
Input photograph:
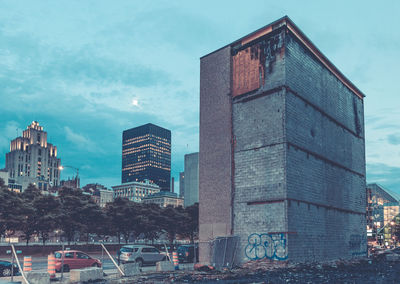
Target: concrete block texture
x=36 y=277
x=85 y=275
x=294 y=174
x=130 y=269
x=165 y=266
x=312 y=81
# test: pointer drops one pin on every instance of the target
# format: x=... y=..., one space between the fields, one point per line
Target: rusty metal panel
x=251 y=64
x=248 y=73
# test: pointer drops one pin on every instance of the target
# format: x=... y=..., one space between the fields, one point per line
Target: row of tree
x=77 y=216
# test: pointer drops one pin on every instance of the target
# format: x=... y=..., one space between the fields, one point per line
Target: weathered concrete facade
x=191 y=179
x=282 y=159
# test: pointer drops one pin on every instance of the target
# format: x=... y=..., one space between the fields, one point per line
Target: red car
x=74 y=259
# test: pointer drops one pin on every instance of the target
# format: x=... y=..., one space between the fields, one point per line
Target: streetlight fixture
x=61 y=167
x=76 y=169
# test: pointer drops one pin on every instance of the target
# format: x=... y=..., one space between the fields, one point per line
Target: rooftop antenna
x=17 y=131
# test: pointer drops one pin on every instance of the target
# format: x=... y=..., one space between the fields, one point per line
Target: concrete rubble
x=130 y=269
x=375 y=270
x=165 y=266
x=85 y=275
x=37 y=277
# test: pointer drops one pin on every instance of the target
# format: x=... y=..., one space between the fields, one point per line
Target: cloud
x=394 y=139
x=80 y=141
x=382 y=137
x=9 y=132
x=385 y=175
x=89 y=69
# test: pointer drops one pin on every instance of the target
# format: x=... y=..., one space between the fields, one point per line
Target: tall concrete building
x=282 y=151
x=146 y=155
x=32 y=159
x=191 y=181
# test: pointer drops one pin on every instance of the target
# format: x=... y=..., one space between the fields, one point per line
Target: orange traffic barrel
x=175 y=260
x=27 y=263
x=51 y=265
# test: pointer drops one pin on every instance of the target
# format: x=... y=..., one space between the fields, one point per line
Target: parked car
x=6 y=268
x=186 y=253
x=74 y=259
x=141 y=254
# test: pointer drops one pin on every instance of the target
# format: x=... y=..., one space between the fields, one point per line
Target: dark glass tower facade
x=146 y=154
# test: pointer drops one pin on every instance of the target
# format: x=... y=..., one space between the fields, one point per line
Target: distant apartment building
x=100 y=194
x=164 y=199
x=4 y=176
x=146 y=155
x=390 y=211
x=10 y=183
x=106 y=196
x=391 y=219
x=379 y=213
x=182 y=184
x=172 y=186
x=135 y=191
x=191 y=179
x=71 y=183
x=388 y=235
x=33 y=160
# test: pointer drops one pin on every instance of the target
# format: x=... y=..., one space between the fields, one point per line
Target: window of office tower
x=146 y=155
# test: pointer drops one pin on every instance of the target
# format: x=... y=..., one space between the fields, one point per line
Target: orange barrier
x=27 y=263
x=51 y=265
x=175 y=260
x=202 y=267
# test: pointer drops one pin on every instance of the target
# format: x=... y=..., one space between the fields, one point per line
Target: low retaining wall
x=85 y=275
x=130 y=269
x=165 y=266
x=37 y=277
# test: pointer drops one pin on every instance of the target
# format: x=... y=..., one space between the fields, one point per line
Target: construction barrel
x=175 y=260
x=51 y=265
x=27 y=263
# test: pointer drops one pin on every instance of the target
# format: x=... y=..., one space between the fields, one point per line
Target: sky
x=87 y=70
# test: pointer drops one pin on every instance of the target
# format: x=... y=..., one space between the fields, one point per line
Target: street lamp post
x=74 y=168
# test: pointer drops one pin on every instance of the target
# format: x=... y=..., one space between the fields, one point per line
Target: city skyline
x=79 y=67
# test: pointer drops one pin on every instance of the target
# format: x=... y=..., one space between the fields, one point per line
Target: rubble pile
x=356 y=271
x=374 y=270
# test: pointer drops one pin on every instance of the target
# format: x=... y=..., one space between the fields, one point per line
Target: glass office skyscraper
x=146 y=155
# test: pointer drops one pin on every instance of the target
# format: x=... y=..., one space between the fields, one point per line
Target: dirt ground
x=359 y=271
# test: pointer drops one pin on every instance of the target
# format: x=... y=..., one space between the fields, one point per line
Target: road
x=39 y=263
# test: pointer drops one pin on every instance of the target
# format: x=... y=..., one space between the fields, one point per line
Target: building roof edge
x=296 y=31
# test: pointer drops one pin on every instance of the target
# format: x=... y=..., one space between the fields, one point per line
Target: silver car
x=141 y=254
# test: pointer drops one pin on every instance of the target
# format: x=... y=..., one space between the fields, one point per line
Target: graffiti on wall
x=271 y=246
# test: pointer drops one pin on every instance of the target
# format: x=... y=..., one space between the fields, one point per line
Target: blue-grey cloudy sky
x=87 y=70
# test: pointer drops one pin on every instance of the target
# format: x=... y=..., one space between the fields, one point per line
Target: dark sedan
x=6 y=268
